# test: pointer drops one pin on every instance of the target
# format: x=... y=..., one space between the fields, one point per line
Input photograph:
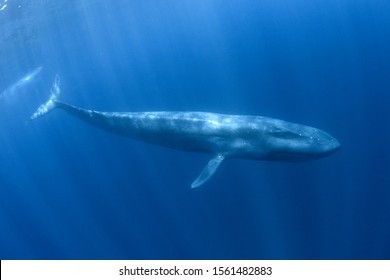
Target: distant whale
x=222 y=136
x=20 y=83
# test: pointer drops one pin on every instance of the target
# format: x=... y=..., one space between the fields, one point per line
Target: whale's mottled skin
x=222 y=136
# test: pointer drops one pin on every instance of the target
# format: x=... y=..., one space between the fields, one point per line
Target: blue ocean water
x=71 y=191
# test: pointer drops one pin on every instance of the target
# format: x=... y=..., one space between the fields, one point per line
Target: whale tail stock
x=51 y=103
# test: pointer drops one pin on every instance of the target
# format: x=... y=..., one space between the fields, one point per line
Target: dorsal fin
x=208 y=171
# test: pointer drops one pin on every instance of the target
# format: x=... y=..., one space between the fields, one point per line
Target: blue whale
x=20 y=83
x=222 y=136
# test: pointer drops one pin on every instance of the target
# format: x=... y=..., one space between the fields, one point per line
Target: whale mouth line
x=294 y=156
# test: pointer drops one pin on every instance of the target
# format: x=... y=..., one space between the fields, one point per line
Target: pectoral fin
x=208 y=171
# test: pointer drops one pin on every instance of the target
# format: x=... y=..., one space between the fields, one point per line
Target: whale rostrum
x=220 y=135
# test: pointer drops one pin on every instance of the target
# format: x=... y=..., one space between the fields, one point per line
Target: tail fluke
x=50 y=104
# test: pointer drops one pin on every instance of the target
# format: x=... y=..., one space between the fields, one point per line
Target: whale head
x=295 y=142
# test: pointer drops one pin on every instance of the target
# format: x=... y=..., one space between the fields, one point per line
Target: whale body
x=222 y=136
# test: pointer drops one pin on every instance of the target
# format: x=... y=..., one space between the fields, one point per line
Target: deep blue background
x=71 y=191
